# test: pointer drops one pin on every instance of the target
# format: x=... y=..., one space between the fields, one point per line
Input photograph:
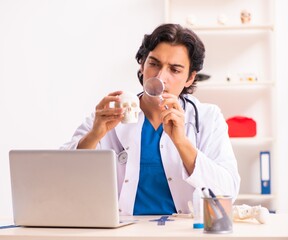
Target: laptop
x=65 y=188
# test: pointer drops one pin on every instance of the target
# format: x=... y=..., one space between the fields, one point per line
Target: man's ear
x=191 y=79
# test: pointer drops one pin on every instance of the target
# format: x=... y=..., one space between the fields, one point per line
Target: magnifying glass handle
x=161 y=99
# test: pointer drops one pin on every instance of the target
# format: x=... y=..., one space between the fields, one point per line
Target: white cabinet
x=240 y=60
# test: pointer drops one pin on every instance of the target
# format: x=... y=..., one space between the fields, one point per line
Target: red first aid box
x=240 y=126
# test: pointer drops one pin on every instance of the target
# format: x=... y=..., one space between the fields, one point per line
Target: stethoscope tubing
x=185 y=99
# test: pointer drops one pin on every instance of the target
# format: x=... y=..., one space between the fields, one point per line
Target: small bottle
x=198 y=209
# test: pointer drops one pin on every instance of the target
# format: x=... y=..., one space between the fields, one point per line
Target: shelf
x=225 y=84
x=240 y=60
x=255 y=196
x=251 y=141
x=231 y=27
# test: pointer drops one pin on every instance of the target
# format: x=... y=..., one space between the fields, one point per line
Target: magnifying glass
x=154 y=87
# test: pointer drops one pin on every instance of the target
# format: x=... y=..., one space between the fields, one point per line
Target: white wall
x=57 y=59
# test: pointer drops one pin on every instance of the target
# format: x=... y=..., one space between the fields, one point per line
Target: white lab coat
x=216 y=165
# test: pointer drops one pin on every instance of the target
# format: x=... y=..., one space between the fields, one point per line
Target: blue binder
x=265 y=172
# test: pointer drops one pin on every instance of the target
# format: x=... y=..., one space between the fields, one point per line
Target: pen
x=213 y=204
x=227 y=221
x=219 y=205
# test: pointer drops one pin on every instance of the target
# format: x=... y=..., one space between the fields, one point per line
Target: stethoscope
x=184 y=100
x=123 y=155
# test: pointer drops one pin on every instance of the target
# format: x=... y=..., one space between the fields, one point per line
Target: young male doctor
x=178 y=144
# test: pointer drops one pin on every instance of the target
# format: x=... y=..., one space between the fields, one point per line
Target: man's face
x=170 y=63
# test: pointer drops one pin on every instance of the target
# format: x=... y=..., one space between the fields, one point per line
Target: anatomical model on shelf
x=245 y=16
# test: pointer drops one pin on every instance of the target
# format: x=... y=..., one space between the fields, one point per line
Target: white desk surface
x=180 y=228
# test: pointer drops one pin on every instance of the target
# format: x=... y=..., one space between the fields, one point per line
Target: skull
x=245 y=16
x=130 y=102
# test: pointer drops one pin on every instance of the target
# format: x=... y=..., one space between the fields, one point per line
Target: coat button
x=169 y=179
x=126 y=181
x=180 y=211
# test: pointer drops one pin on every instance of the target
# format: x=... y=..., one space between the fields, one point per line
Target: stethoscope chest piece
x=122 y=157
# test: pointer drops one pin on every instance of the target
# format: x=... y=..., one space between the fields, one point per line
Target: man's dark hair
x=174 y=34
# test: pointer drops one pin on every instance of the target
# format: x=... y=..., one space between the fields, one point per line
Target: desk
x=180 y=228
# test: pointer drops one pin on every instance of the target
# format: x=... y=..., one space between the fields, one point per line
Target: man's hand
x=173 y=118
x=106 y=118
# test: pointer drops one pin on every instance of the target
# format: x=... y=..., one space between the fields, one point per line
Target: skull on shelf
x=245 y=16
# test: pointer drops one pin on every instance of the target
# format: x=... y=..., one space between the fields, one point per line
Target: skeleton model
x=130 y=102
x=244 y=211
